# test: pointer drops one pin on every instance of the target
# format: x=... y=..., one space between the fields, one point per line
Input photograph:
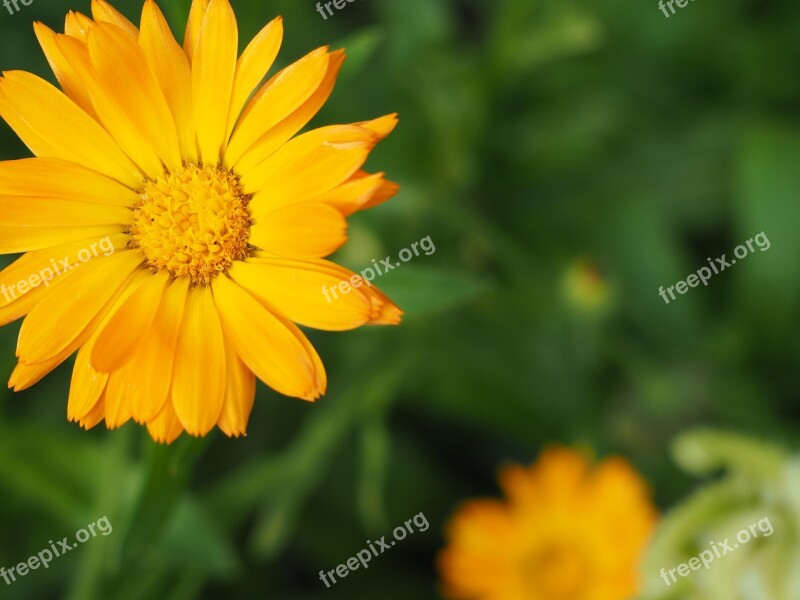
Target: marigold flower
x=565 y=532
x=215 y=212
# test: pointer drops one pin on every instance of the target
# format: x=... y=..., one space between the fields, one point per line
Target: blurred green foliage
x=744 y=527
x=533 y=134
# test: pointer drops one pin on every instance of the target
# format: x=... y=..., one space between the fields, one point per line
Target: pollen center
x=556 y=572
x=193 y=222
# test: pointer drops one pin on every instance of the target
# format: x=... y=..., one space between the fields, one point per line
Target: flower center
x=193 y=222
x=556 y=572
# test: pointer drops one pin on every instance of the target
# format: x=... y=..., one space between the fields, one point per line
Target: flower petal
x=77 y=25
x=118 y=340
x=252 y=67
x=171 y=67
x=86 y=386
x=166 y=427
x=384 y=311
x=239 y=396
x=352 y=195
x=301 y=293
x=196 y=14
x=56 y=178
x=276 y=351
x=121 y=69
x=25 y=239
x=21 y=211
x=61 y=319
x=117 y=390
x=93 y=418
x=305 y=230
x=308 y=166
x=53 y=126
x=155 y=356
x=213 y=70
x=27 y=375
x=277 y=99
x=198 y=384
x=63 y=71
x=273 y=139
x=103 y=12
x=42 y=267
x=113 y=117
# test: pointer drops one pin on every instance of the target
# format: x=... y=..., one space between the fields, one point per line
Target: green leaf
x=426 y=291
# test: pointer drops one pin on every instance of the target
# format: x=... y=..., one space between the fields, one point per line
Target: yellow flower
x=584 y=287
x=566 y=532
x=212 y=216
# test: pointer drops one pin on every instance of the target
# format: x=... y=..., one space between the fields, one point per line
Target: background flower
x=566 y=530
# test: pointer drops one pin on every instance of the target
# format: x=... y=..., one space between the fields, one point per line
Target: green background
x=534 y=134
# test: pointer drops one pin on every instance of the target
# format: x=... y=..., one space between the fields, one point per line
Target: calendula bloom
x=214 y=217
x=566 y=531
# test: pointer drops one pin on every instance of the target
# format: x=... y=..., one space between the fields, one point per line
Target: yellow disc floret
x=193 y=222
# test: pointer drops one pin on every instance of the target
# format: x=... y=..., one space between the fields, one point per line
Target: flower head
x=174 y=223
x=565 y=532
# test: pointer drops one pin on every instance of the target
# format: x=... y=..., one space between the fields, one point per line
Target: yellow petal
x=192 y=35
x=171 y=67
x=276 y=351
x=63 y=71
x=252 y=67
x=388 y=189
x=382 y=126
x=103 y=12
x=384 y=311
x=198 y=384
x=166 y=427
x=62 y=317
x=239 y=396
x=27 y=375
x=87 y=382
x=25 y=239
x=86 y=386
x=121 y=69
x=352 y=195
x=53 y=126
x=42 y=268
x=114 y=120
x=276 y=100
x=213 y=70
x=308 y=166
x=155 y=356
x=274 y=138
x=117 y=411
x=56 y=178
x=16 y=305
x=305 y=230
x=95 y=415
x=119 y=339
x=302 y=293
x=21 y=211
x=77 y=25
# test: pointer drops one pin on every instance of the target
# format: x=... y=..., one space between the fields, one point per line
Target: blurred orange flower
x=566 y=531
